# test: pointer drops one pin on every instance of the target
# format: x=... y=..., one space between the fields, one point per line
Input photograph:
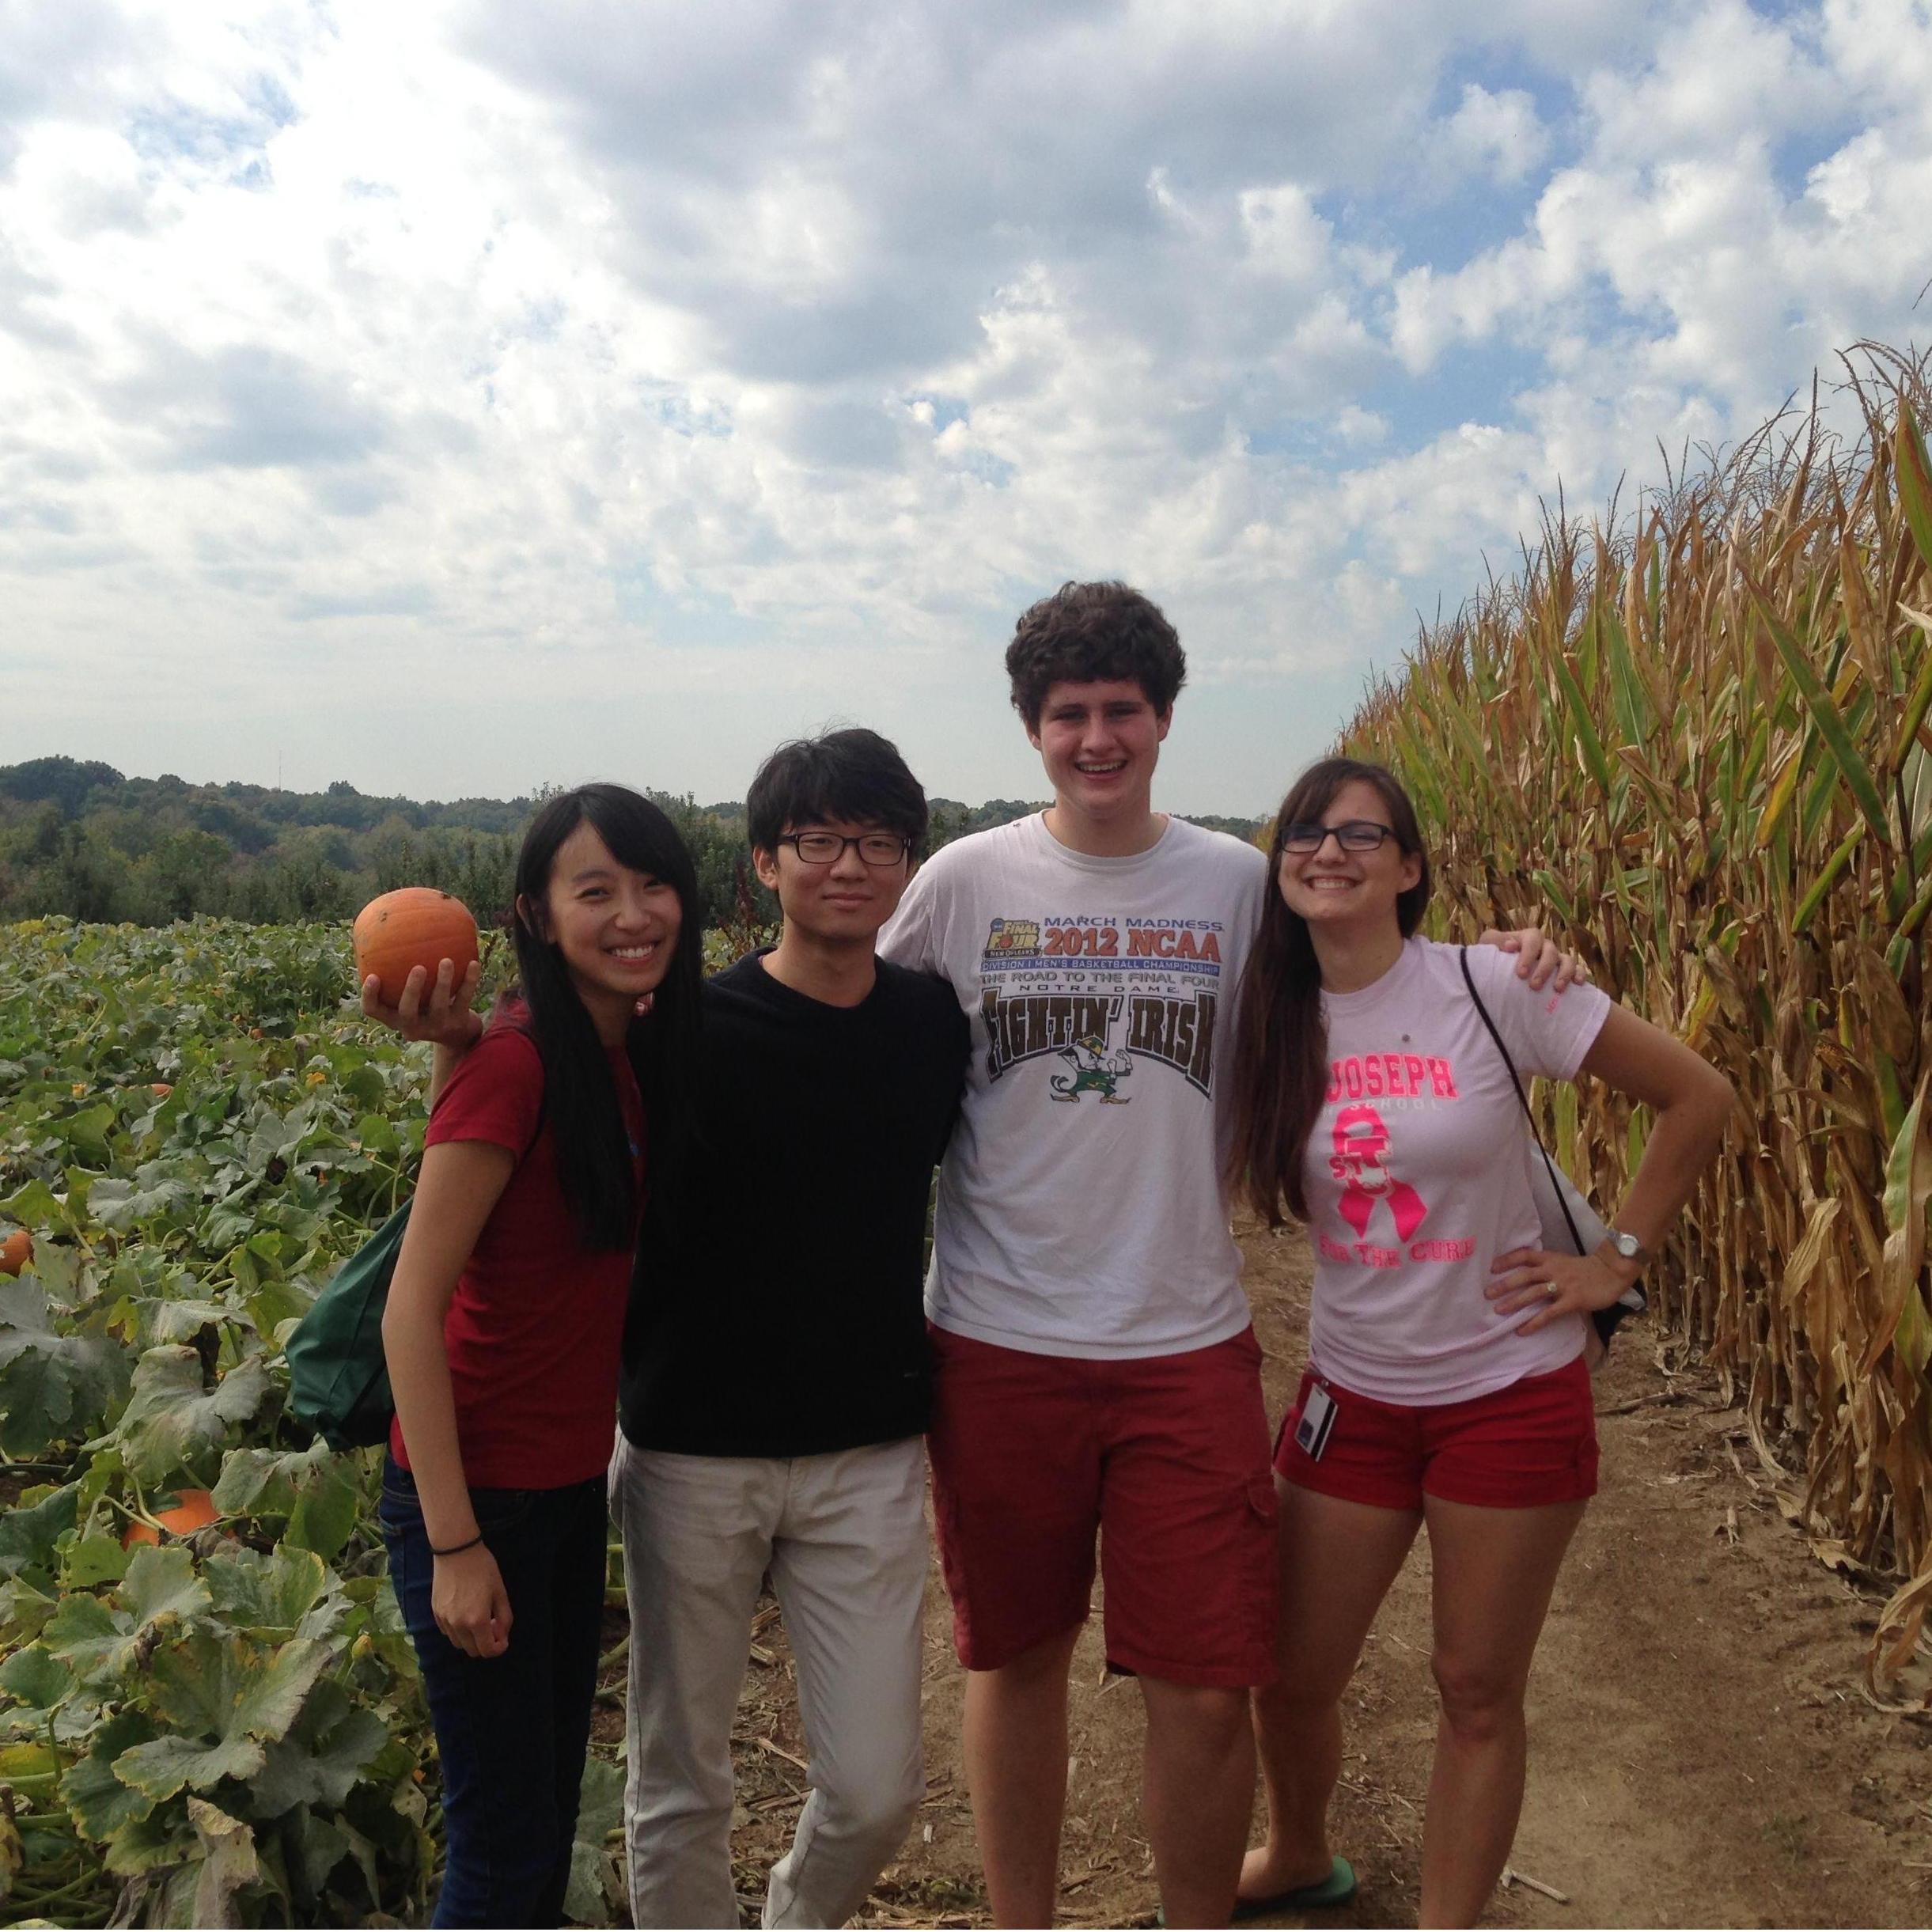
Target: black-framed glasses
x=826 y=848
x=1358 y=835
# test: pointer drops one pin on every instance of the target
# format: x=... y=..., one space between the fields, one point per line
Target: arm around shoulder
x=1539 y=959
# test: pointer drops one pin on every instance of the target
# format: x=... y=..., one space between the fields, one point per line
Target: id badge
x=1317 y=1423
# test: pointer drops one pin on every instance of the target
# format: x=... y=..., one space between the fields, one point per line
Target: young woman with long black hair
x=1446 y=1384
x=503 y=1330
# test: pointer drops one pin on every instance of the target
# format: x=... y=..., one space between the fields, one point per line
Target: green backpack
x=338 y=1376
x=339 y=1379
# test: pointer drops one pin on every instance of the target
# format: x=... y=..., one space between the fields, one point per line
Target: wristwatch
x=1627 y=1246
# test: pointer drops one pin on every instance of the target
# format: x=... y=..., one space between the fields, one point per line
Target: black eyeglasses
x=826 y=848
x=1359 y=834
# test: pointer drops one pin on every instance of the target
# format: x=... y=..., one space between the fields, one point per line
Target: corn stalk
x=1699 y=745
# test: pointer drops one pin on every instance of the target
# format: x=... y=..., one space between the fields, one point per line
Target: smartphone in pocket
x=1317 y=1423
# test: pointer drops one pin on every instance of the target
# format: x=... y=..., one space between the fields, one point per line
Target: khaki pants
x=843 y=1538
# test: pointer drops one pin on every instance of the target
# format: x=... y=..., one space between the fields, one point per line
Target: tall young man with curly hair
x=1095 y=1368
x=1096 y=1375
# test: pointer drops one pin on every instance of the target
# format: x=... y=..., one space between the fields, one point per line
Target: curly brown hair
x=1085 y=633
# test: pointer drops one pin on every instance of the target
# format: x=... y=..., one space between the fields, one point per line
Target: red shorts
x=1531 y=1443
x=1165 y=1458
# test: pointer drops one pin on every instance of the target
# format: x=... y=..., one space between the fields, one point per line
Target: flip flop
x=1337 y=1888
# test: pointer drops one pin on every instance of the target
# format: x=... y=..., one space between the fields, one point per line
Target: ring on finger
x=1552 y=1289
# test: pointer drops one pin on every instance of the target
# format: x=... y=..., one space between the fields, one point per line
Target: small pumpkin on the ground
x=194 y=1508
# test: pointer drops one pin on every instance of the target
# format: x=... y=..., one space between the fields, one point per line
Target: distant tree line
x=78 y=838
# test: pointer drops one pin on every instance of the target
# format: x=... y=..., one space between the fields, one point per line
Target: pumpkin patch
x=186 y=1576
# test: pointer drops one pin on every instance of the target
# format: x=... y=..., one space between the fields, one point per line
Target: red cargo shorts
x=1164 y=1459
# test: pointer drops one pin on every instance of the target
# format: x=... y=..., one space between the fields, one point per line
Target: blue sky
x=455 y=397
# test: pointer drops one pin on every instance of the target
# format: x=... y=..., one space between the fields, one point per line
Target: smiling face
x=1331 y=887
x=841 y=902
x=616 y=928
x=1099 y=742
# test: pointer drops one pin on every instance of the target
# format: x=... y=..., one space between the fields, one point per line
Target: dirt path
x=1700 y=1752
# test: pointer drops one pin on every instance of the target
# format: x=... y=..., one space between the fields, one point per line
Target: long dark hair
x=580 y=1098
x=1281 y=1071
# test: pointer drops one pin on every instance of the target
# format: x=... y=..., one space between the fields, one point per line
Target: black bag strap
x=1522 y=1100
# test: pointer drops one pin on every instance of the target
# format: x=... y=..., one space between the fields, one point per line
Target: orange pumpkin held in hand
x=15 y=1251
x=194 y=1509
x=416 y=927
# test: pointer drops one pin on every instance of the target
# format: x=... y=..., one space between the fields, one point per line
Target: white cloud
x=1723 y=77
x=633 y=388
x=1286 y=237
x=1498 y=135
x=1677 y=248
x=1358 y=427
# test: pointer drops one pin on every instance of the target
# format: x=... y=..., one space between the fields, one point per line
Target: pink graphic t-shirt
x=1418 y=1176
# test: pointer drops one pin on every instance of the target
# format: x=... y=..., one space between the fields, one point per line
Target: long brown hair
x=1281 y=1072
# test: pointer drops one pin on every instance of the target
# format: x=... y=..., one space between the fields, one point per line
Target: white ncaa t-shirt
x=1418 y=1176
x=1081 y=1211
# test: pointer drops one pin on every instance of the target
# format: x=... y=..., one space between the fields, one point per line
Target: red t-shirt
x=536 y=1323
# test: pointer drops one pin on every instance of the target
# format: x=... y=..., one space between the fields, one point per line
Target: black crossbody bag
x=1569 y=1201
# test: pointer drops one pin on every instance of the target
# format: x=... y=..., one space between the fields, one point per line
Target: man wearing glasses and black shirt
x=775 y=1389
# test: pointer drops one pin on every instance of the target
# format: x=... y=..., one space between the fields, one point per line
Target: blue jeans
x=511 y=1730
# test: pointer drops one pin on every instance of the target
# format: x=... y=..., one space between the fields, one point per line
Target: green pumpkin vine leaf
x=171 y=1424
x=54 y=1387
x=224 y=1696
